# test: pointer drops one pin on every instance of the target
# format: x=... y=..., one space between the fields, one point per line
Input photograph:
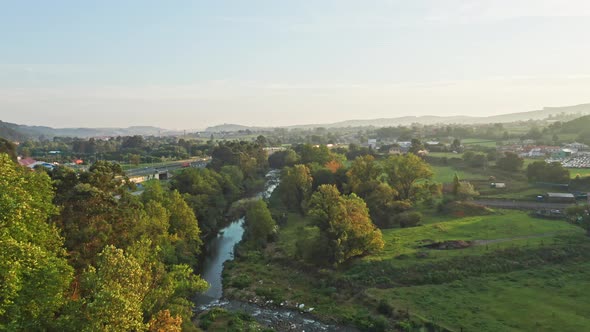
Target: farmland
x=488 y=296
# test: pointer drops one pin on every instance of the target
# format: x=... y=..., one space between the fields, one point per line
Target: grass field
x=542 y=299
x=478 y=141
x=445 y=154
x=481 y=287
x=445 y=174
x=584 y=172
x=506 y=228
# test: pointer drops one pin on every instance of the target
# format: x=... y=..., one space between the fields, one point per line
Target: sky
x=192 y=64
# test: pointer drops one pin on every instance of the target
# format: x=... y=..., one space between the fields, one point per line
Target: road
x=522 y=205
x=171 y=166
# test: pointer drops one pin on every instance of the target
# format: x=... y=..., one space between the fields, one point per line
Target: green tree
x=9 y=148
x=580 y=215
x=87 y=222
x=540 y=171
x=163 y=321
x=466 y=191
x=281 y=159
x=344 y=223
x=262 y=141
x=383 y=207
x=318 y=154
x=259 y=223
x=363 y=175
x=479 y=160
x=456 y=185
x=184 y=229
x=456 y=145
x=404 y=174
x=295 y=187
x=416 y=146
x=510 y=162
x=34 y=275
x=104 y=175
x=115 y=290
x=134 y=159
x=207 y=192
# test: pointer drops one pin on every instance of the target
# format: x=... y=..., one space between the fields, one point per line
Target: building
x=560 y=197
x=271 y=150
x=26 y=161
x=372 y=143
x=577 y=146
x=395 y=150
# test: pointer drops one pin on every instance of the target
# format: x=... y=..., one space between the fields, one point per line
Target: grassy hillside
x=9 y=132
x=541 y=299
x=576 y=126
x=516 y=265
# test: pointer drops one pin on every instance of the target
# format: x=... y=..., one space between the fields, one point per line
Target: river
x=221 y=249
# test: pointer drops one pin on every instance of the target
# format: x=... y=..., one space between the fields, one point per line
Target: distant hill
x=16 y=132
x=431 y=119
x=228 y=127
x=8 y=131
x=545 y=113
x=576 y=126
x=389 y=122
x=581 y=109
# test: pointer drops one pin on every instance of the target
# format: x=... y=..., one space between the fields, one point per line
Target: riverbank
x=407 y=285
x=213 y=311
x=270 y=316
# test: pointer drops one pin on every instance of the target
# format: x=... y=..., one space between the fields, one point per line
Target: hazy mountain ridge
x=576 y=126
x=19 y=132
x=427 y=119
x=228 y=127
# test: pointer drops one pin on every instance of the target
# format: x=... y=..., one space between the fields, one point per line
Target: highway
x=171 y=166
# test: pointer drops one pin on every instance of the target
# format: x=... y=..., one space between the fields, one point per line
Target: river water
x=221 y=249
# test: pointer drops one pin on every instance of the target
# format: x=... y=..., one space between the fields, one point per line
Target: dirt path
x=521 y=205
x=533 y=236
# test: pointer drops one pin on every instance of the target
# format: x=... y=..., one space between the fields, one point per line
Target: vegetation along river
x=221 y=249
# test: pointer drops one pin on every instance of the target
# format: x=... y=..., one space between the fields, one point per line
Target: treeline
x=79 y=252
x=348 y=204
x=236 y=169
x=131 y=149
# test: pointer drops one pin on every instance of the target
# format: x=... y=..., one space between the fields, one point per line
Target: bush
x=464 y=209
x=207 y=319
x=242 y=281
x=409 y=219
x=385 y=308
x=370 y=323
x=269 y=293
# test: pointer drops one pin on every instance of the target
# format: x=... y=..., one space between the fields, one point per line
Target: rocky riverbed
x=280 y=319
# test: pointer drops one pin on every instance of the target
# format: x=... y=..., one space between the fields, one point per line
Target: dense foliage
x=34 y=274
x=540 y=171
x=122 y=262
x=345 y=227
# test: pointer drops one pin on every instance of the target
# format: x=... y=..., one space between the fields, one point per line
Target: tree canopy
x=344 y=223
x=404 y=174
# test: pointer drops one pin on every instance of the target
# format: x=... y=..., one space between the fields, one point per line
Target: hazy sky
x=190 y=64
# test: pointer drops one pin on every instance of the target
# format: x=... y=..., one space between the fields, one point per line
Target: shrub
x=409 y=219
x=461 y=209
x=242 y=281
x=385 y=308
